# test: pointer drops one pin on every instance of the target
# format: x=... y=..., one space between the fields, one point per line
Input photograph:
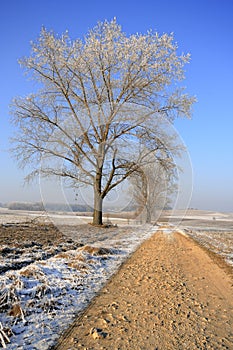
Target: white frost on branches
x=96 y=97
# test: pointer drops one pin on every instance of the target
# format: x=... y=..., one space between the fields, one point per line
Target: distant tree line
x=69 y=207
x=38 y=206
x=25 y=206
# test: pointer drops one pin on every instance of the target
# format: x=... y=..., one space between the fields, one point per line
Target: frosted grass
x=50 y=292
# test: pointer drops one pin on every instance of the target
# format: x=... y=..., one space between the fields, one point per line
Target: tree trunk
x=98 y=209
x=148 y=215
x=98 y=200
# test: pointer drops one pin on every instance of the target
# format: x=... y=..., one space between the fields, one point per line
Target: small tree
x=99 y=100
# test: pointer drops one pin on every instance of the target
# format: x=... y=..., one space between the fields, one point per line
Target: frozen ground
x=45 y=283
x=48 y=276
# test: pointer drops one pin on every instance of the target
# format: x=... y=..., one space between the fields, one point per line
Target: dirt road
x=170 y=294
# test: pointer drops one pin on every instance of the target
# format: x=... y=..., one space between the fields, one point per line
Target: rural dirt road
x=170 y=294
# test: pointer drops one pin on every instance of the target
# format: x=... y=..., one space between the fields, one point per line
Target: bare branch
x=99 y=111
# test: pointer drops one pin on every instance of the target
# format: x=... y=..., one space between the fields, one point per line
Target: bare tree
x=152 y=187
x=98 y=101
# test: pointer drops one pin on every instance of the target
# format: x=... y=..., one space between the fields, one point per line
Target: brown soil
x=170 y=294
x=17 y=234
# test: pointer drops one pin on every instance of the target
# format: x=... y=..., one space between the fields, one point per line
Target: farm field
x=48 y=275
x=212 y=230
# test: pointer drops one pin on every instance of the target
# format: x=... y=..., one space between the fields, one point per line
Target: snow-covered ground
x=41 y=290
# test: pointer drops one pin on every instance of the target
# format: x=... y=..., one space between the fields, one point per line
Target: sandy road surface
x=170 y=294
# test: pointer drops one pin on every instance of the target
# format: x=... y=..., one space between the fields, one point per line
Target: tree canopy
x=95 y=117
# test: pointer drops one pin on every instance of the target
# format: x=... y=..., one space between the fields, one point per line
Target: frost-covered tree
x=98 y=101
x=152 y=188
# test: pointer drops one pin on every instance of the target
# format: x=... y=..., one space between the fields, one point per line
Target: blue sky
x=202 y=27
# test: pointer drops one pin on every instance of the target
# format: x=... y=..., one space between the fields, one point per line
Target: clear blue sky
x=202 y=27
